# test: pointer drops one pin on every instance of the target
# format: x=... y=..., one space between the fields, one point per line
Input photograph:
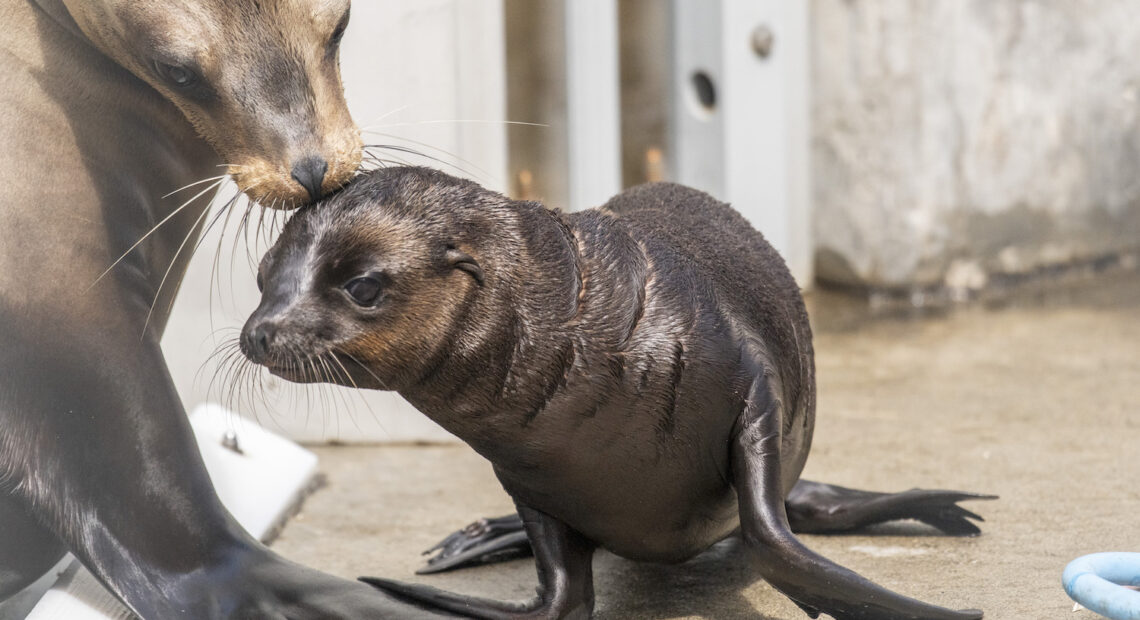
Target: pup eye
x=260 y=282
x=365 y=291
x=177 y=75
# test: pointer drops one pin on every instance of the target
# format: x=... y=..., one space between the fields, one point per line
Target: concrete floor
x=1035 y=398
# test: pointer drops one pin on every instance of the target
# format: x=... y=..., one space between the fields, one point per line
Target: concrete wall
x=958 y=139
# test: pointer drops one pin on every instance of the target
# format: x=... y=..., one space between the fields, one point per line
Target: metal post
x=739 y=123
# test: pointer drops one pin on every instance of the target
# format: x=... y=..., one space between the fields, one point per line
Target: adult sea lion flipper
x=813 y=582
x=565 y=578
x=201 y=563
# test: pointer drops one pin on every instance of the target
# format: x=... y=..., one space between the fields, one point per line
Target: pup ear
x=463 y=261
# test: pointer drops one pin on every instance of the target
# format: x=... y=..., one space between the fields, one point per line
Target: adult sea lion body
x=107 y=106
x=640 y=375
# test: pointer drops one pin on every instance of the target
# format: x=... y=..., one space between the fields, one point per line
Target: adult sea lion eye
x=365 y=291
x=338 y=33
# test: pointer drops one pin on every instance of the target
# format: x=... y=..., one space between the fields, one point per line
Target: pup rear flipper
x=817 y=508
x=485 y=541
x=815 y=583
x=812 y=508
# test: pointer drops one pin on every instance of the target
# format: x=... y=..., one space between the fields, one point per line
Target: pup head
x=369 y=287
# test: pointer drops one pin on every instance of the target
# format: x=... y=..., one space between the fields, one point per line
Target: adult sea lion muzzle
x=262 y=89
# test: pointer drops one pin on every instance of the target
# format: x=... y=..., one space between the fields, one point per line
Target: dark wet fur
x=640 y=375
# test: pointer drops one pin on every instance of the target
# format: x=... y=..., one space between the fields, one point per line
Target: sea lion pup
x=640 y=375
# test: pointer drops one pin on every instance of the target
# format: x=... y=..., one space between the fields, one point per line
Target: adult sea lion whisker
x=229 y=208
x=244 y=232
x=483 y=172
x=222 y=209
x=474 y=121
x=411 y=151
x=258 y=232
x=385 y=162
x=189 y=185
x=169 y=268
x=150 y=232
x=266 y=231
x=369 y=164
x=385 y=115
x=241 y=230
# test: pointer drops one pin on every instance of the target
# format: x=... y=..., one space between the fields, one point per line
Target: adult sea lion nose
x=310 y=173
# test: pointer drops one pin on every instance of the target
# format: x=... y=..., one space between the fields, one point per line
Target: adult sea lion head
x=259 y=79
x=370 y=286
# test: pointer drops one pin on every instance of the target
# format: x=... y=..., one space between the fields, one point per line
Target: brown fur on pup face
x=260 y=81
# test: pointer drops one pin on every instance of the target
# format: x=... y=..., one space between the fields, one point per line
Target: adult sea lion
x=107 y=106
x=640 y=375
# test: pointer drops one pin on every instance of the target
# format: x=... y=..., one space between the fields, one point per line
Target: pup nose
x=256 y=340
x=310 y=173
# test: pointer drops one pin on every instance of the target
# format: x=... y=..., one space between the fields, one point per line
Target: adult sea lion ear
x=462 y=260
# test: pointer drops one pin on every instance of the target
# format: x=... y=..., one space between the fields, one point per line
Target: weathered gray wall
x=957 y=139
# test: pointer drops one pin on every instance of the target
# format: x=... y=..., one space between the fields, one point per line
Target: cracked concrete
x=1033 y=397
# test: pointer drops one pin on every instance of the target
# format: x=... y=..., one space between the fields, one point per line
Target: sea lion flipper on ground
x=812 y=508
x=816 y=508
x=815 y=583
x=485 y=541
x=565 y=578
